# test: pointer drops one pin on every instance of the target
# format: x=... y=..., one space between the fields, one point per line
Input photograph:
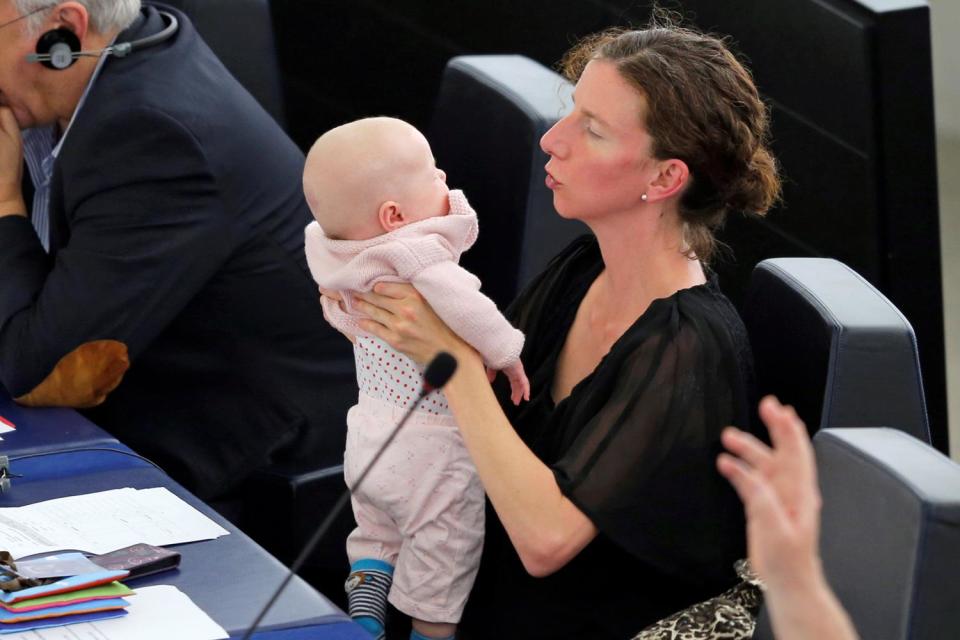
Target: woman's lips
x=551 y=182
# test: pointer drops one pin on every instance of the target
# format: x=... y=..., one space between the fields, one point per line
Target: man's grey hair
x=105 y=15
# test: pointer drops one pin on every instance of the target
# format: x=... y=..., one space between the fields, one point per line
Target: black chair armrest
x=826 y=341
x=890 y=537
x=489 y=117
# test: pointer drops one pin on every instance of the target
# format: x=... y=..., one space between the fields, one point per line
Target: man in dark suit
x=172 y=301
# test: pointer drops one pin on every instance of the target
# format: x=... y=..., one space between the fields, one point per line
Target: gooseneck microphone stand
x=437 y=374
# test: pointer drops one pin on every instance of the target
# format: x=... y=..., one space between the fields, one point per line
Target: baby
x=384 y=213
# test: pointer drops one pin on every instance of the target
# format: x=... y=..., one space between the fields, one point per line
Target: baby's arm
x=454 y=293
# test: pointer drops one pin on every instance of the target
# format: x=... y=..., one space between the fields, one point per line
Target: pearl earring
x=643 y=197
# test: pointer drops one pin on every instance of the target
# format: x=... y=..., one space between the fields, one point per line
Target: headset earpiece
x=59 y=49
x=61 y=45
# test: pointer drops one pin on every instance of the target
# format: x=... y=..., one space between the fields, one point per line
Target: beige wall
x=945 y=20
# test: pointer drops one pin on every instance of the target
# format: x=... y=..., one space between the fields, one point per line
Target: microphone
x=437 y=374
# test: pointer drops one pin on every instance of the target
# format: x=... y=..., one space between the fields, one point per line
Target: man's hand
x=11 y=165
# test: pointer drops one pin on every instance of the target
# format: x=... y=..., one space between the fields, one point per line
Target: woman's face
x=600 y=160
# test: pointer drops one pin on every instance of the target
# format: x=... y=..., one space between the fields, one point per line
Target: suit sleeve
x=147 y=232
x=454 y=293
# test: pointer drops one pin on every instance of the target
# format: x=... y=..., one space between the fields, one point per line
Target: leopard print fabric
x=730 y=616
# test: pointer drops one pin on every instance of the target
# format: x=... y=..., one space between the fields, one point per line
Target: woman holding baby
x=606 y=511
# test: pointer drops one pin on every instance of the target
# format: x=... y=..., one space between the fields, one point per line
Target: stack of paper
x=102 y=522
x=82 y=598
x=160 y=612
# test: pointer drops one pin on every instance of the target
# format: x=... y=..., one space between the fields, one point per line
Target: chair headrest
x=826 y=341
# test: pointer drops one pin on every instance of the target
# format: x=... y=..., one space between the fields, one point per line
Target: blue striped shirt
x=40 y=150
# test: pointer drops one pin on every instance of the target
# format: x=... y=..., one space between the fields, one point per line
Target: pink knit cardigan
x=425 y=254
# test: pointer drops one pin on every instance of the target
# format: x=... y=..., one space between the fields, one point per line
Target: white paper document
x=161 y=612
x=104 y=521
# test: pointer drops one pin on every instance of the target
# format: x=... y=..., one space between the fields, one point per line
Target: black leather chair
x=890 y=536
x=240 y=32
x=489 y=116
x=829 y=343
x=282 y=506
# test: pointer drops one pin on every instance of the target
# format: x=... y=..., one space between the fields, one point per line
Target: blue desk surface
x=333 y=631
x=230 y=578
x=43 y=430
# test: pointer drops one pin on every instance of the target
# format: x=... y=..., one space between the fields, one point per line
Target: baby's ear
x=390 y=216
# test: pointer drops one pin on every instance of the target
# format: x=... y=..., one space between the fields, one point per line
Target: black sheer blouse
x=634 y=447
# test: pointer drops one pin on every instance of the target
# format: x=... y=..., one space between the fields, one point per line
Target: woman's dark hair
x=702 y=108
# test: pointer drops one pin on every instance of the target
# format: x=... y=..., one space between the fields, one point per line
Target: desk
x=230 y=578
x=43 y=430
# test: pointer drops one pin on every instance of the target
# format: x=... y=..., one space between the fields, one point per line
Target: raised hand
x=778 y=487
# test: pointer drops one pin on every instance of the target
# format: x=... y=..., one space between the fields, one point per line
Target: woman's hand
x=335 y=298
x=544 y=526
x=402 y=318
x=779 y=490
x=778 y=487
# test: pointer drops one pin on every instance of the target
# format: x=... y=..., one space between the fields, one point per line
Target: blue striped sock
x=371 y=626
x=419 y=636
x=367 y=587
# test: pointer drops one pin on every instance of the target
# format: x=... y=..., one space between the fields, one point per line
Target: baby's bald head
x=356 y=171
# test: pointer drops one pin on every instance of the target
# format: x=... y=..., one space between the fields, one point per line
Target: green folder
x=111 y=590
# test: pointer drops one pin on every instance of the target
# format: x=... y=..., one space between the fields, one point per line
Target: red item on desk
x=66 y=585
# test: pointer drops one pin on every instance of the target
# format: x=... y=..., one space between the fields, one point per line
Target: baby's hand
x=519 y=385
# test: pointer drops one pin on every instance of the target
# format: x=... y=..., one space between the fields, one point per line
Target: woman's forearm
x=546 y=529
x=808 y=612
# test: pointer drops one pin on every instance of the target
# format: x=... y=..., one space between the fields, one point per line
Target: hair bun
x=757 y=188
